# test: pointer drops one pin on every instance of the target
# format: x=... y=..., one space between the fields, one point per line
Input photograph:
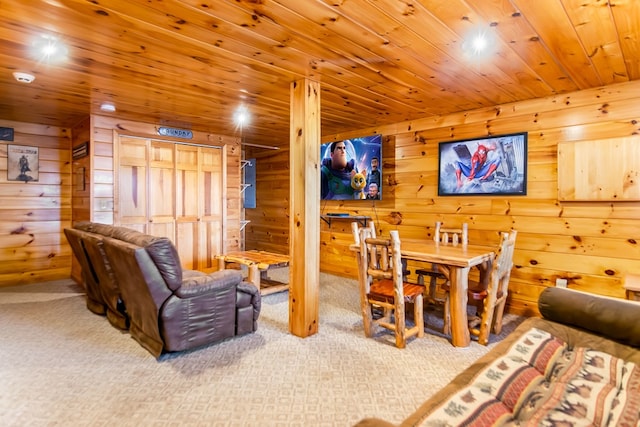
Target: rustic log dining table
x=458 y=261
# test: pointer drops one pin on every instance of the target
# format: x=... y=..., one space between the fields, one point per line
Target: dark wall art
x=22 y=163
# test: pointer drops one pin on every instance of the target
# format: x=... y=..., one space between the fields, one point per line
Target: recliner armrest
x=195 y=283
x=248 y=294
x=248 y=287
x=248 y=305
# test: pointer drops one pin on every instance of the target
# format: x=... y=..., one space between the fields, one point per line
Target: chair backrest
x=502 y=264
x=355 y=231
x=454 y=236
x=380 y=259
x=497 y=285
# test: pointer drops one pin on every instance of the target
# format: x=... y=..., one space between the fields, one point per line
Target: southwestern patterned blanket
x=541 y=381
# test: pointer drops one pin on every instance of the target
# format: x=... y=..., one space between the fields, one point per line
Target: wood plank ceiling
x=192 y=63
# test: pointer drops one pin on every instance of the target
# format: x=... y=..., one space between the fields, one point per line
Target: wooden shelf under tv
x=360 y=219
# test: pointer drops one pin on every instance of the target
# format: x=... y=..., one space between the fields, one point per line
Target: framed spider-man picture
x=493 y=165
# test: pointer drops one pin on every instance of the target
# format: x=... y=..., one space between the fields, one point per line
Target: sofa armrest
x=248 y=305
x=248 y=294
x=613 y=318
x=196 y=283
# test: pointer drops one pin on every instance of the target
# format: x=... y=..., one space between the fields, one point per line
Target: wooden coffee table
x=258 y=263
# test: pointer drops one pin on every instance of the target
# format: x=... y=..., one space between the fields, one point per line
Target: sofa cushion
x=613 y=318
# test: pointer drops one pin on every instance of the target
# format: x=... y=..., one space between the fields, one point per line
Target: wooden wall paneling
x=269 y=226
x=34 y=213
x=231 y=210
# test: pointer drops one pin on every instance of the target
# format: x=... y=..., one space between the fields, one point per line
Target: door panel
x=132 y=183
x=187 y=205
x=162 y=190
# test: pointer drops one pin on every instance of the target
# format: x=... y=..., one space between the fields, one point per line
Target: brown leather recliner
x=171 y=309
x=102 y=287
x=90 y=279
x=116 y=310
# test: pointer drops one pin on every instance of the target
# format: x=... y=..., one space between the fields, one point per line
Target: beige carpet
x=61 y=365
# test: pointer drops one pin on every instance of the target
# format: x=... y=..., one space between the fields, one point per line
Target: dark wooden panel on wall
x=591 y=244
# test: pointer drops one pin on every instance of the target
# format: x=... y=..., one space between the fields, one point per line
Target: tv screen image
x=351 y=169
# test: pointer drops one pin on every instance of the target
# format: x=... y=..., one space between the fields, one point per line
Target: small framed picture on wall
x=22 y=163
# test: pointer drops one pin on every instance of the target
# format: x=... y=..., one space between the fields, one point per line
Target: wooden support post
x=304 y=208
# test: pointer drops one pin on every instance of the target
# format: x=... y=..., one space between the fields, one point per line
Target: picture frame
x=492 y=165
x=22 y=163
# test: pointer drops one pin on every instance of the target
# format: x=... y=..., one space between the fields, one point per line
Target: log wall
x=591 y=244
x=33 y=214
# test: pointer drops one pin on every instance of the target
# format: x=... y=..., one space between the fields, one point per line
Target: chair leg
x=418 y=315
x=367 y=319
x=401 y=329
x=487 y=319
x=497 y=320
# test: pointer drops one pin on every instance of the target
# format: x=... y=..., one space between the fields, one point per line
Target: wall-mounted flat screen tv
x=351 y=169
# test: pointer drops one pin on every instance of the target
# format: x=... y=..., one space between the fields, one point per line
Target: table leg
x=254 y=275
x=459 y=278
x=221 y=263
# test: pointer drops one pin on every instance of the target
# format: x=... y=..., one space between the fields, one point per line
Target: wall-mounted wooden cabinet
x=600 y=170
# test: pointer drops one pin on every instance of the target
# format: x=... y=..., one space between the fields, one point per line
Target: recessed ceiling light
x=479 y=43
x=49 y=48
x=24 y=77
x=108 y=107
x=241 y=116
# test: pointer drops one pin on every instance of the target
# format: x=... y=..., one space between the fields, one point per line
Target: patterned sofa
x=137 y=280
x=579 y=365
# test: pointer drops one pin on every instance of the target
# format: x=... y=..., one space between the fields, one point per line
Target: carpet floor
x=64 y=366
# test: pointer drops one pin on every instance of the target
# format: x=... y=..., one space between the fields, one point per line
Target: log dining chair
x=381 y=284
x=445 y=236
x=489 y=296
x=355 y=231
x=494 y=296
